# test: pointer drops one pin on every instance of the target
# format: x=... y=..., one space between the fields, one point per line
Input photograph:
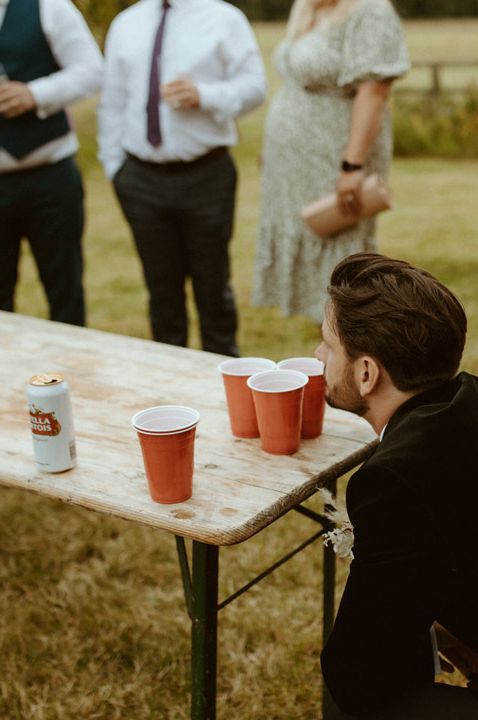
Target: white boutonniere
x=342 y=536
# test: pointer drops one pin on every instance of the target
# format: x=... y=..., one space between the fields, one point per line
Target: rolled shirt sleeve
x=77 y=54
x=243 y=87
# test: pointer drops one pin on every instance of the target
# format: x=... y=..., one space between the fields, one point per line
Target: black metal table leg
x=204 y=630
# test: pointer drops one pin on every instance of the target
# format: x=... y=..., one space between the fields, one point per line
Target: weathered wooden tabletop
x=238 y=489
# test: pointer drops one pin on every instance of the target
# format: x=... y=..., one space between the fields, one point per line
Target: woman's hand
x=366 y=119
x=349 y=192
x=181 y=94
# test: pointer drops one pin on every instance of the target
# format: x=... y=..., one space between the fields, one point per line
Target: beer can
x=51 y=421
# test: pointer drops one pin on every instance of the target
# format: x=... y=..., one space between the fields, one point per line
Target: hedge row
x=99 y=13
x=279 y=9
x=436 y=126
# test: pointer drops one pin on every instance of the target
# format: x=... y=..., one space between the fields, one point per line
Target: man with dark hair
x=49 y=59
x=393 y=338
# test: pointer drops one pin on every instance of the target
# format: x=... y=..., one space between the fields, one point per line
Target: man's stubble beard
x=345 y=396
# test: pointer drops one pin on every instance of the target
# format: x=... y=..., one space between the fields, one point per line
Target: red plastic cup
x=278 y=396
x=314 y=393
x=240 y=405
x=166 y=435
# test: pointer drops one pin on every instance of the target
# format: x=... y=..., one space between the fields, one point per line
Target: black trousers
x=45 y=206
x=181 y=217
x=432 y=702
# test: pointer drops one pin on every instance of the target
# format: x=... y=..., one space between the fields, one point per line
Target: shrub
x=437 y=126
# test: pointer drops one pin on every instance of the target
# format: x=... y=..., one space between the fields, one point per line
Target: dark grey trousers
x=45 y=206
x=181 y=217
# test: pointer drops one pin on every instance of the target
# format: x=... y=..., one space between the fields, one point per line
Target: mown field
x=92 y=619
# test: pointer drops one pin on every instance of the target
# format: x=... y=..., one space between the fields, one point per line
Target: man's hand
x=15 y=99
x=349 y=192
x=180 y=94
x=460 y=655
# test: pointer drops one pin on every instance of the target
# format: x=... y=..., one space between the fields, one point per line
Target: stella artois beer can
x=51 y=421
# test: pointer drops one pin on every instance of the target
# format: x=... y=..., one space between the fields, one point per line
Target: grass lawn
x=92 y=622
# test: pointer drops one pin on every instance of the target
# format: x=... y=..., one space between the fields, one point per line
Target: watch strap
x=350 y=167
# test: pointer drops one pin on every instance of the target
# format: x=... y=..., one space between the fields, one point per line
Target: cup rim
x=174 y=429
x=312 y=373
x=164 y=433
x=299 y=376
x=223 y=369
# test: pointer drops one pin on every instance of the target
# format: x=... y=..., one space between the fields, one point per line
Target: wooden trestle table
x=238 y=489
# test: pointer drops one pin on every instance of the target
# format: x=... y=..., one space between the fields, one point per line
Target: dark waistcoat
x=25 y=55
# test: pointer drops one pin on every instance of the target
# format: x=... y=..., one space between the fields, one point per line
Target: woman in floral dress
x=327 y=128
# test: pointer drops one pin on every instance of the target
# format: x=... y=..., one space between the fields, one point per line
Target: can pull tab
x=46 y=379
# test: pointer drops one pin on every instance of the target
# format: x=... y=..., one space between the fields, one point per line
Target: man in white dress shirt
x=49 y=59
x=177 y=75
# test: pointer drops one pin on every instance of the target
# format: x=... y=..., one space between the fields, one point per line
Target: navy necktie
x=152 y=108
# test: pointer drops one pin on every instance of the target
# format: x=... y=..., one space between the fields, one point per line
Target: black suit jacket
x=414 y=508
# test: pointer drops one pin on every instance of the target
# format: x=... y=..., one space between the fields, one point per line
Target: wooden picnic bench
x=238 y=489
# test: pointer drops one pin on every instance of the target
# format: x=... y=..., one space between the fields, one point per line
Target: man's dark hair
x=400 y=315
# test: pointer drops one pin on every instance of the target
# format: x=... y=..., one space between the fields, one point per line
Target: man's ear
x=367 y=374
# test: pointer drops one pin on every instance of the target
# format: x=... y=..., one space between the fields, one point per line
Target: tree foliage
x=100 y=13
x=279 y=9
x=437 y=8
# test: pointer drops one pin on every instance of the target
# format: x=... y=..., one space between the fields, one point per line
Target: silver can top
x=45 y=379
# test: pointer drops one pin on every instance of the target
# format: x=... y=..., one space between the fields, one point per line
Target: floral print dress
x=306 y=130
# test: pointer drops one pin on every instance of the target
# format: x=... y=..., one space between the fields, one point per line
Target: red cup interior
x=165 y=419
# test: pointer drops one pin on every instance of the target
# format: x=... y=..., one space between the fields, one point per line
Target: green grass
x=92 y=619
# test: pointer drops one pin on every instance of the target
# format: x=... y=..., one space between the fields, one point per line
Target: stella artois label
x=44 y=423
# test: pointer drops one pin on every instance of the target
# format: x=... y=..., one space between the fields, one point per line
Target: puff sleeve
x=374 y=45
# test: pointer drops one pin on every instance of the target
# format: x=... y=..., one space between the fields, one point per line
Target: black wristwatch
x=350 y=167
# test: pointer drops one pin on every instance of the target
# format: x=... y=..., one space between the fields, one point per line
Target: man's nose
x=320 y=352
